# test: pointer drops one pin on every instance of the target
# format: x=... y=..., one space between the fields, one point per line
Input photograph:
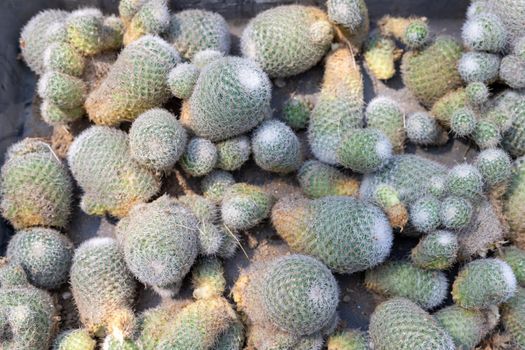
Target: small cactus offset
x=513 y=318
x=54 y=115
x=477 y=93
x=205 y=57
x=12 y=275
x=413 y=32
x=348 y=340
x=64 y=91
x=388 y=199
x=515 y=257
x=425 y=214
x=182 y=80
x=484 y=32
x=64 y=58
x=387 y=116
x=85 y=30
x=479 y=67
x=494 y=165
x=153 y=17
x=423 y=129
x=436 y=251
x=296 y=112
x=207 y=278
x=233 y=153
x=320 y=180
x=74 y=339
x=445 y=107
x=200 y=157
x=463 y=121
x=456 y=212
x=244 y=206
x=464 y=180
x=215 y=184
x=486 y=134
x=380 y=56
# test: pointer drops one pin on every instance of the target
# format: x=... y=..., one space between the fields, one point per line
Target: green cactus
x=113 y=183
x=364 y=150
x=135 y=83
x=518 y=48
x=233 y=153
x=12 y=275
x=128 y=8
x=346 y=234
x=244 y=206
x=504 y=109
x=399 y=324
x=287 y=40
x=85 y=30
x=467 y=327
x=514 y=138
x=153 y=17
x=436 y=185
x=54 y=115
x=494 y=165
x=207 y=278
x=484 y=32
x=511 y=71
x=157 y=140
x=215 y=184
x=426 y=288
x=232 y=338
x=320 y=180
x=296 y=112
x=477 y=7
x=346 y=13
x=436 y=251
x=486 y=134
x=64 y=91
x=464 y=180
x=386 y=115
x=349 y=339
x=45 y=255
x=512 y=14
x=339 y=105
x=182 y=80
x=477 y=93
x=159 y=242
x=205 y=57
x=431 y=73
x=413 y=32
x=35 y=187
x=231 y=96
x=463 y=121
x=479 y=67
x=200 y=157
x=513 y=318
x=446 y=106
x=112 y=33
x=515 y=257
x=64 y=58
x=425 y=214
x=387 y=198
x=75 y=339
x=380 y=56
x=191 y=31
x=456 y=212
x=423 y=129
x=482 y=283
x=103 y=287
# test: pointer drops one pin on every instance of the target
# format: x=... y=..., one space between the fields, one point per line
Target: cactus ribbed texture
x=479 y=67
x=153 y=17
x=85 y=29
x=233 y=153
x=348 y=340
x=514 y=139
x=348 y=235
x=484 y=32
x=425 y=214
x=436 y=251
x=399 y=324
x=287 y=40
x=339 y=106
x=515 y=257
x=511 y=71
x=215 y=184
x=456 y=212
x=64 y=58
x=75 y=339
x=387 y=198
x=463 y=121
x=244 y=206
x=486 y=134
x=296 y=112
x=477 y=93
x=135 y=83
x=513 y=318
x=35 y=186
x=380 y=56
x=207 y=278
x=200 y=157
x=464 y=180
x=423 y=129
x=494 y=165
x=446 y=106
x=320 y=180
x=65 y=91
x=413 y=32
x=385 y=114
x=157 y=140
x=182 y=80
x=232 y=96
x=101 y=163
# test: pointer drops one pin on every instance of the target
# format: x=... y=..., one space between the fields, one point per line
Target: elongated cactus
x=436 y=251
x=244 y=206
x=514 y=138
x=515 y=257
x=319 y=180
x=215 y=184
x=514 y=203
x=153 y=17
x=513 y=318
x=380 y=56
x=423 y=129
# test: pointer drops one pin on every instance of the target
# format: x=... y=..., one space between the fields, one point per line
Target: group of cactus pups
x=356 y=188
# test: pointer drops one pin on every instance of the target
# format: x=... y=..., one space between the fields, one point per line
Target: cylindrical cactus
x=494 y=165
x=513 y=318
x=386 y=115
x=215 y=184
x=320 y=180
x=380 y=56
x=244 y=206
x=514 y=138
x=65 y=91
x=515 y=257
x=436 y=251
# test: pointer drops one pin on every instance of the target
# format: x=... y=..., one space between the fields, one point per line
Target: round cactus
x=339 y=106
x=153 y=17
x=44 y=254
x=200 y=157
x=276 y=147
x=207 y=278
x=287 y=40
x=12 y=275
x=425 y=214
x=35 y=187
x=128 y=8
x=513 y=318
x=477 y=7
x=346 y=13
x=484 y=32
x=511 y=71
x=428 y=289
x=423 y=129
x=436 y=185
x=75 y=339
x=494 y=165
x=482 y=283
x=463 y=121
x=436 y=251
x=456 y=212
x=446 y=106
x=464 y=180
x=65 y=91
x=515 y=257
x=159 y=242
x=364 y=150
x=191 y=31
x=205 y=57
x=486 y=134
x=84 y=30
x=479 y=67
x=477 y=93
x=296 y=112
x=319 y=180
x=348 y=340
x=215 y=184
x=182 y=80
x=467 y=327
x=117 y=342
x=64 y=58
x=514 y=138
x=511 y=13
x=135 y=83
x=157 y=140
x=387 y=198
x=54 y=115
x=432 y=72
x=385 y=114
x=399 y=324
x=233 y=153
x=102 y=286
x=113 y=183
x=413 y=32
x=231 y=96
x=346 y=234
x=518 y=48
x=244 y=206
x=505 y=108
x=380 y=56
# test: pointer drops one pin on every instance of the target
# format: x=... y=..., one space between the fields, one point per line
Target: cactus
x=505 y=109
x=387 y=199
x=63 y=90
x=436 y=185
x=511 y=71
x=117 y=342
x=518 y=48
x=200 y=157
x=102 y=286
x=244 y=206
x=54 y=115
x=157 y=140
x=494 y=165
x=428 y=289
x=28 y=318
x=425 y=214
x=464 y=180
x=423 y=129
x=45 y=255
x=364 y=150
x=476 y=8
x=205 y=57
x=484 y=32
x=85 y=29
x=447 y=105
x=467 y=327
x=513 y=318
x=75 y=339
x=456 y=212
x=463 y=121
x=192 y=31
x=432 y=72
x=287 y=40
x=63 y=58
x=128 y=8
x=339 y=106
x=413 y=32
x=112 y=33
x=514 y=138
x=486 y=134
x=512 y=14
x=296 y=112
x=477 y=93
x=346 y=234
x=97 y=69
x=276 y=147
x=135 y=83
x=482 y=283
x=35 y=187
x=182 y=80
x=12 y=275
x=215 y=184
x=231 y=96
x=380 y=56
x=113 y=183
x=207 y=279
x=387 y=116
x=479 y=67
x=436 y=251
x=348 y=340
x=153 y=17
x=346 y=13
x=319 y=180
x=399 y=324
x=515 y=257
x=233 y=153
x=159 y=242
